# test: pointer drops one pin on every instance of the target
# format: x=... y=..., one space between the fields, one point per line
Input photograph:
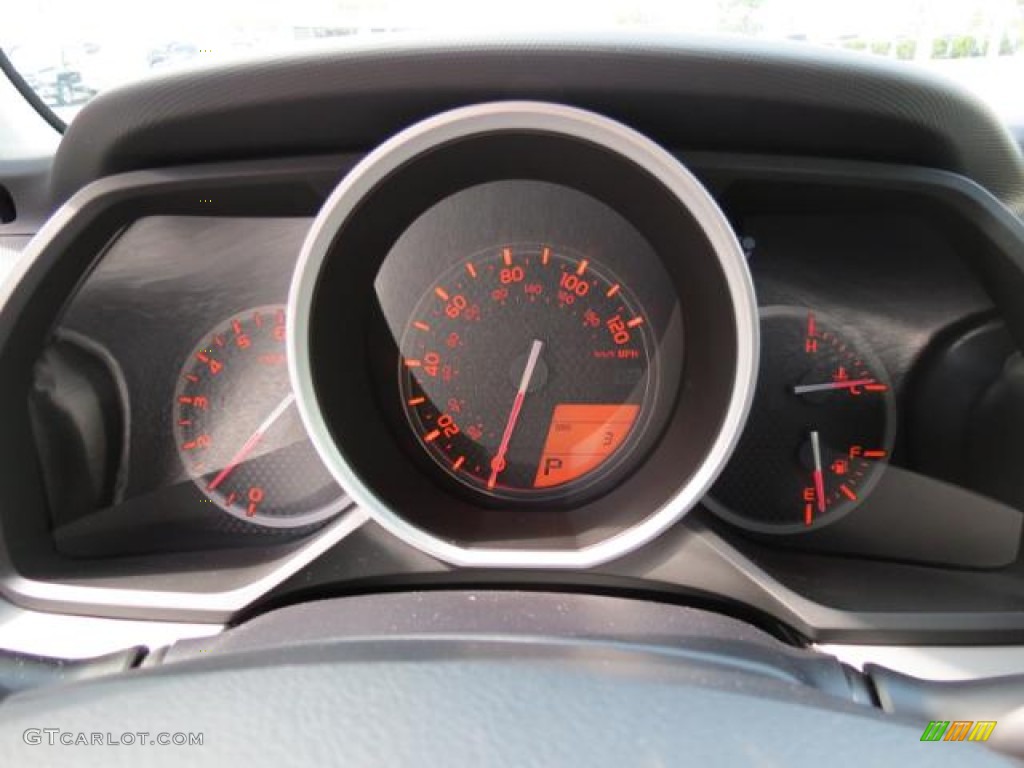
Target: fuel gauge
x=820 y=431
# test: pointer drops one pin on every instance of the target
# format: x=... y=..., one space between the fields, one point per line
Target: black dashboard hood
x=693 y=93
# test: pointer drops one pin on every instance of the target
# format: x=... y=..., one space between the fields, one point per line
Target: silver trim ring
x=537 y=117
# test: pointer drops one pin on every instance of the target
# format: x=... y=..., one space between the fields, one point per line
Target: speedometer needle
x=805 y=389
x=249 y=444
x=498 y=462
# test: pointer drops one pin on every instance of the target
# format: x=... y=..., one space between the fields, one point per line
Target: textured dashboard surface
x=698 y=93
x=465 y=702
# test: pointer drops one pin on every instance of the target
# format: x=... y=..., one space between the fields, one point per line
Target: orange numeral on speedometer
x=431 y=361
x=617 y=328
x=447 y=425
x=511 y=275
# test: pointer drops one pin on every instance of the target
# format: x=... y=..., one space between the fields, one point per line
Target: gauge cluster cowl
x=523 y=335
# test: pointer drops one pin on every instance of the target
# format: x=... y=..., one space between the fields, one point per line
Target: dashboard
x=526 y=342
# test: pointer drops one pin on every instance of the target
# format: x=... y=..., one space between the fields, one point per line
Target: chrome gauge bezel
x=433 y=136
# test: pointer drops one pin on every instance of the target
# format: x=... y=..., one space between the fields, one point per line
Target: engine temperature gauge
x=820 y=431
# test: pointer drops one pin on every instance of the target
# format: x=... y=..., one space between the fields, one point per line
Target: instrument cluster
x=517 y=335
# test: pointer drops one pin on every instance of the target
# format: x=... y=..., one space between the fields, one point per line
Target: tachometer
x=238 y=432
x=526 y=372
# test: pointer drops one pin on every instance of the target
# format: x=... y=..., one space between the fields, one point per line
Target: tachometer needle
x=819 y=475
x=806 y=389
x=498 y=462
x=249 y=444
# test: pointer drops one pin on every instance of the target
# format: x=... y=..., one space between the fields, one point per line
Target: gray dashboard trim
x=11 y=247
x=213 y=605
x=933 y=662
x=80 y=637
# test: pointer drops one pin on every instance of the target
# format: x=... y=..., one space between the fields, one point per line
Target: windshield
x=69 y=50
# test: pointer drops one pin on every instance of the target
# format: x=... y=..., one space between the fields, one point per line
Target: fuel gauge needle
x=251 y=443
x=819 y=474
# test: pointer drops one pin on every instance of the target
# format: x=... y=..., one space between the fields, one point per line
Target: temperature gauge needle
x=806 y=389
x=498 y=462
x=253 y=440
x=819 y=476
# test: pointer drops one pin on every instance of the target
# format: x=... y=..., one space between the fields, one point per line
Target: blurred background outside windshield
x=70 y=50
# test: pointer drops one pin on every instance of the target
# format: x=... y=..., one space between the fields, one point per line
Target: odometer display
x=526 y=371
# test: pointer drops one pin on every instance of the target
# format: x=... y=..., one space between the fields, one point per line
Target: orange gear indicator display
x=581 y=437
x=526 y=372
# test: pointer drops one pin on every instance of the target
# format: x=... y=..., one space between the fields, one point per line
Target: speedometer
x=526 y=372
x=522 y=335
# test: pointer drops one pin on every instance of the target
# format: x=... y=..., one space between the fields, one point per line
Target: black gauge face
x=526 y=372
x=820 y=431
x=238 y=431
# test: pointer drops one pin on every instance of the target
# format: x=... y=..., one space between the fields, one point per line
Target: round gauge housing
x=527 y=373
x=238 y=432
x=580 y=392
x=820 y=432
